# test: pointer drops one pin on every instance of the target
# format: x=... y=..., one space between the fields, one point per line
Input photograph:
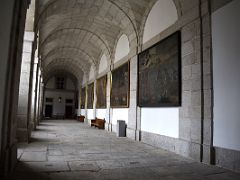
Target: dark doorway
x=48 y=111
x=68 y=111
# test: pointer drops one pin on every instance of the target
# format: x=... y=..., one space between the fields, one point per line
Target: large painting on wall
x=120 y=87
x=90 y=94
x=83 y=97
x=101 y=91
x=159 y=74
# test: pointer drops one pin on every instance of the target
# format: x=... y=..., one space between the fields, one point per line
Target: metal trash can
x=121 y=128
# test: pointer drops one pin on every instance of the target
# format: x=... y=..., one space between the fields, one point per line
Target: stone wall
x=12 y=31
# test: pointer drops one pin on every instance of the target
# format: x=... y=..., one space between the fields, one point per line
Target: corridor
x=69 y=150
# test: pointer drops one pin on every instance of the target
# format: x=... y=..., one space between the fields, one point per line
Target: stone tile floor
x=70 y=150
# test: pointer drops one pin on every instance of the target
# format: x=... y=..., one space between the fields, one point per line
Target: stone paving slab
x=33 y=156
x=109 y=164
x=84 y=166
x=69 y=150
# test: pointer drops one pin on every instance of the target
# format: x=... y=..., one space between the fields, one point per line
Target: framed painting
x=90 y=94
x=159 y=74
x=120 y=87
x=101 y=91
x=83 y=98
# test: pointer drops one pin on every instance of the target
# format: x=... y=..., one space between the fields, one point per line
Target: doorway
x=68 y=111
x=48 y=111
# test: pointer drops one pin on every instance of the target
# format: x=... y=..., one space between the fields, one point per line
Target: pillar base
x=9 y=161
x=22 y=135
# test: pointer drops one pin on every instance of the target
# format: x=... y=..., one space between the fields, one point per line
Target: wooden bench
x=81 y=118
x=100 y=123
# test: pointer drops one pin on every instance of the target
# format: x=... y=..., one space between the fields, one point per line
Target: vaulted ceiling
x=74 y=34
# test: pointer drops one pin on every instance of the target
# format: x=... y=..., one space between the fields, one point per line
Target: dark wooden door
x=68 y=111
x=48 y=111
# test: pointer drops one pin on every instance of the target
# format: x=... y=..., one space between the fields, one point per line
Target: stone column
x=95 y=97
x=86 y=99
x=108 y=117
x=11 y=35
x=196 y=111
x=207 y=99
x=133 y=127
x=40 y=101
x=36 y=92
x=23 y=124
x=190 y=112
x=79 y=100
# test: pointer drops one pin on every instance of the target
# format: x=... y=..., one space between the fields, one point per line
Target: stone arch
x=50 y=3
x=131 y=31
x=54 y=34
x=63 y=72
x=74 y=50
x=68 y=60
x=122 y=18
x=79 y=54
x=61 y=67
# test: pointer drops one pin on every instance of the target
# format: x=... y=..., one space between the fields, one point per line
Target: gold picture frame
x=120 y=86
x=83 y=97
x=159 y=73
x=90 y=94
x=101 y=92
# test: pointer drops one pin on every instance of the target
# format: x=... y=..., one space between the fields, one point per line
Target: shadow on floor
x=25 y=172
x=33 y=139
x=41 y=129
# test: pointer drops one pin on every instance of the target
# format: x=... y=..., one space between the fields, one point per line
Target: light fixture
x=59 y=99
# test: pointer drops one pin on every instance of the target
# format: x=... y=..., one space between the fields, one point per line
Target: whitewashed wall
x=122 y=48
x=162 y=15
x=103 y=64
x=101 y=113
x=163 y=121
x=83 y=112
x=91 y=73
x=90 y=114
x=85 y=79
x=78 y=112
x=226 y=75
x=119 y=114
